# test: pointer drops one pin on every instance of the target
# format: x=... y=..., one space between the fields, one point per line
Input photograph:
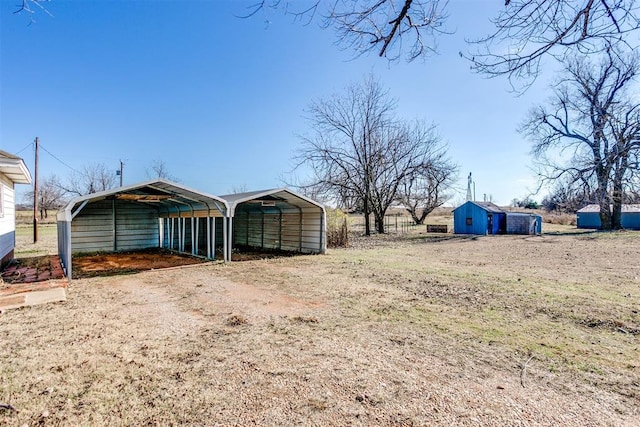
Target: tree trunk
x=367 y=221
x=616 y=219
x=422 y=217
x=605 y=217
x=379 y=223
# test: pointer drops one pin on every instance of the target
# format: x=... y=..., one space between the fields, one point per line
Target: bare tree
x=427 y=187
x=528 y=30
x=390 y=28
x=525 y=30
x=237 y=189
x=91 y=179
x=29 y=7
x=567 y=196
x=50 y=196
x=359 y=152
x=624 y=127
x=588 y=132
x=159 y=169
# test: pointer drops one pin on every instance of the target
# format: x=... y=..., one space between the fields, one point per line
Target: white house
x=12 y=171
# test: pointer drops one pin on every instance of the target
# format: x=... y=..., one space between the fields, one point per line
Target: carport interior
x=157 y=214
x=276 y=220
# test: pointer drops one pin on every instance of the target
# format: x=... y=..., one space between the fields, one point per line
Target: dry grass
x=25 y=217
x=47 y=243
x=400 y=330
x=559 y=218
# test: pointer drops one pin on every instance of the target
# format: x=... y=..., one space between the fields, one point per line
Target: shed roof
x=14 y=168
x=159 y=192
x=269 y=198
x=487 y=206
x=593 y=208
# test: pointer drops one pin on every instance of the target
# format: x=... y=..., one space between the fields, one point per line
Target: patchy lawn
x=413 y=330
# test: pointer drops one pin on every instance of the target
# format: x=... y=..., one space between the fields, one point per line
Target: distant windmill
x=470 y=195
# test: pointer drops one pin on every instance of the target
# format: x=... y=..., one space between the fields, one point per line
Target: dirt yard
x=414 y=330
x=106 y=264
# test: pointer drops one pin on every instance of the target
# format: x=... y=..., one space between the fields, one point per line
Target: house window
x=469 y=221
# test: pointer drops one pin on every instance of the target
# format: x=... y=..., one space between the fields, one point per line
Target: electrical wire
x=25 y=147
x=55 y=157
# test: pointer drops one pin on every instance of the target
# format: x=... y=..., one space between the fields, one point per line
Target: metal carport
x=276 y=219
x=156 y=213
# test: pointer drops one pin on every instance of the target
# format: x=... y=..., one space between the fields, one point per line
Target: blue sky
x=220 y=100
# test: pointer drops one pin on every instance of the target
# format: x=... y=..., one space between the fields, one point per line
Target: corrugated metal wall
x=293 y=229
x=94 y=229
x=588 y=220
x=631 y=220
x=478 y=219
x=64 y=228
x=522 y=223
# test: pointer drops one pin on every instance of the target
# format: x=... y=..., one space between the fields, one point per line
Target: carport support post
x=193 y=234
x=171 y=233
x=300 y=231
x=68 y=258
x=230 y=251
x=213 y=237
x=194 y=247
x=184 y=233
x=225 y=239
x=208 y=237
x=322 y=230
x=179 y=220
x=280 y=230
x=113 y=216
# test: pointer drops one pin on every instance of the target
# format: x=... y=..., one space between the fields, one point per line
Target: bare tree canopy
x=159 y=169
x=528 y=30
x=359 y=152
x=589 y=133
x=390 y=28
x=428 y=186
x=30 y=7
x=91 y=179
x=50 y=195
x=525 y=30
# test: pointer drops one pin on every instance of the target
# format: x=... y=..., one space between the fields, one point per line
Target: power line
x=55 y=157
x=25 y=147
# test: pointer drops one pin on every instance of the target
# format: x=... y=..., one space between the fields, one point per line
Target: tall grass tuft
x=337 y=228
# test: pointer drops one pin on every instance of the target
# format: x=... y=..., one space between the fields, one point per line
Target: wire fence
x=396 y=224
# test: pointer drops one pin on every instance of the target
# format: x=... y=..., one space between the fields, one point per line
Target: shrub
x=337 y=230
x=559 y=218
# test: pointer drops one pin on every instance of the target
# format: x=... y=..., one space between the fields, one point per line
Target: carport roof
x=266 y=197
x=155 y=192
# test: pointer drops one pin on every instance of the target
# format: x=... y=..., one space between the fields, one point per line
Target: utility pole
x=121 y=169
x=35 y=195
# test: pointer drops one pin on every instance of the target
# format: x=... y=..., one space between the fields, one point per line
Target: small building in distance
x=589 y=217
x=487 y=218
x=12 y=171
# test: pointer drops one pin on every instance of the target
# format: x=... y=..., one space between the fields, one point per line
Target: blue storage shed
x=589 y=217
x=479 y=218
